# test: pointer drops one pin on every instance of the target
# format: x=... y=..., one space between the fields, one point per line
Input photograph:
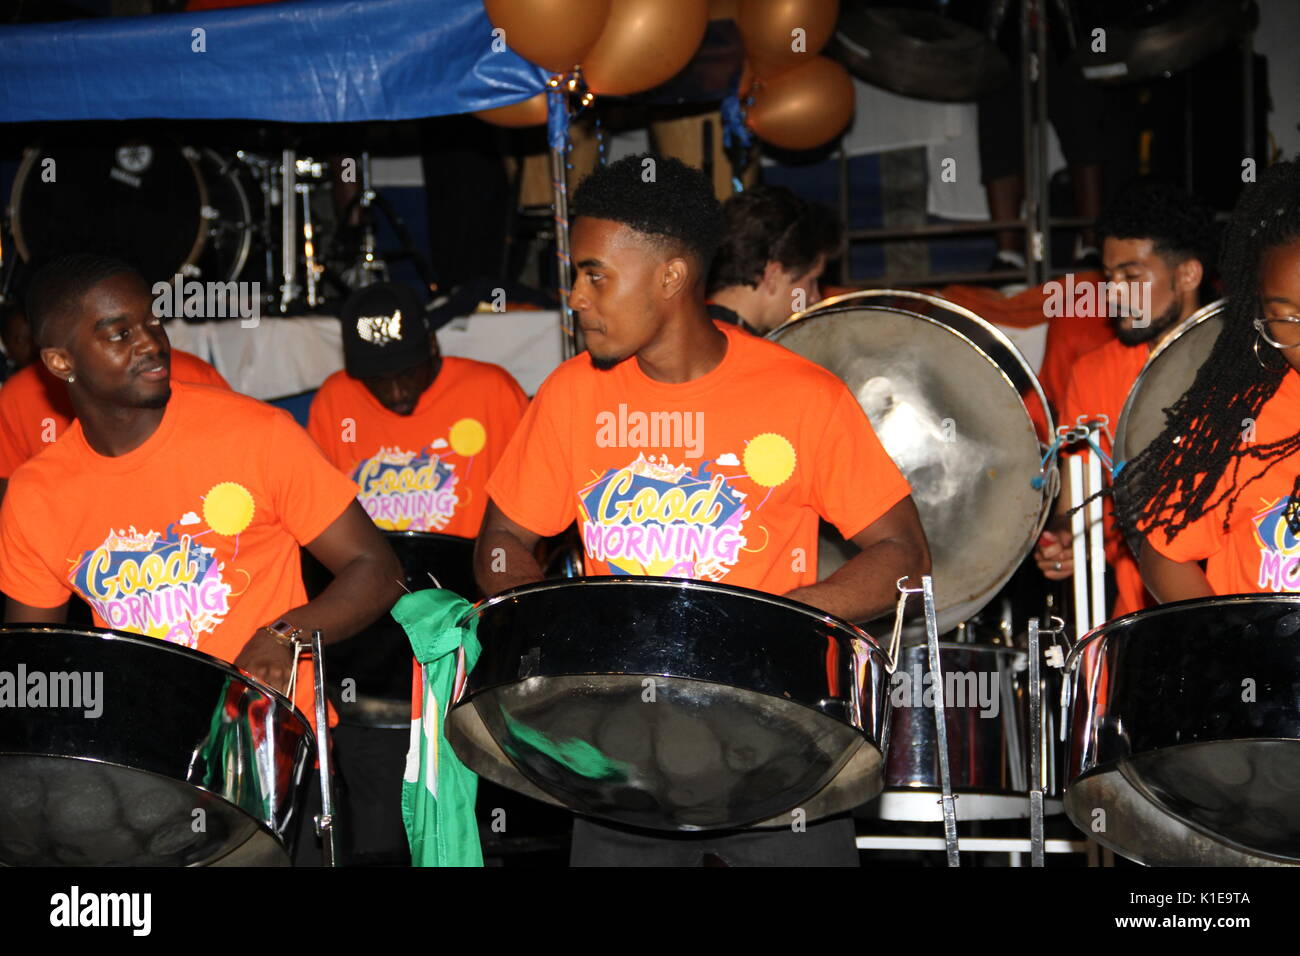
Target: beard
x=605 y=362
x=1150 y=331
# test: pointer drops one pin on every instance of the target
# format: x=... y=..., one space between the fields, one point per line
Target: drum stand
x=325 y=820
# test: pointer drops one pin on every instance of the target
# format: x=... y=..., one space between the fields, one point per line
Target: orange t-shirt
x=192 y=537
x=720 y=478
x=1258 y=554
x=35 y=409
x=1099 y=386
x=426 y=471
x=1069 y=337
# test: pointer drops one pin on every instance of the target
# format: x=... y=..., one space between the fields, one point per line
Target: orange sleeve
x=24 y=575
x=1200 y=540
x=12 y=448
x=854 y=479
x=194 y=371
x=318 y=428
x=532 y=482
x=308 y=493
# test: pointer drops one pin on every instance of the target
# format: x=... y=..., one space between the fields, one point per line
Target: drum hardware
x=940 y=714
x=1036 y=788
x=325 y=828
x=1088 y=530
x=289 y=288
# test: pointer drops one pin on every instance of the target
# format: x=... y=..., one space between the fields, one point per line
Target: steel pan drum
x=986 y=702
x=113 y=775
x=947 y=393
x=673 y=704
x=378 y=659
x=1185 y=733
x=1167 y=374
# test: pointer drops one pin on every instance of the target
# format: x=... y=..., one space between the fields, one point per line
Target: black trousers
x=828 y=842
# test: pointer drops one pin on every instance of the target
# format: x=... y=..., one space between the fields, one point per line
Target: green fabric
x=438 y=802
x=573 y=754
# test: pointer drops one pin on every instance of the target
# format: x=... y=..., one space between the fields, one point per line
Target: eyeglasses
x=1283 y=333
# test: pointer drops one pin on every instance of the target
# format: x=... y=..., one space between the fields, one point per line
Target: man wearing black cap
x=418 y=432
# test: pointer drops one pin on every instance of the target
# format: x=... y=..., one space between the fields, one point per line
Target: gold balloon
x=644 y=43
x=804 y=107
x=768 y=30
x=527 y=112
x=554 y=34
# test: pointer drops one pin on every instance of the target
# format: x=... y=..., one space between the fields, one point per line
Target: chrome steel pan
x=178 y=759
x=949 y=396
x=672 y=704
x=1185 y=733
x=986 y=700
x=1167 y=374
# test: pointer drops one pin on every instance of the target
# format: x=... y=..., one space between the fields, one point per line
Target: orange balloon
x=769 y=30
x=554 y=34
x=804 y=107
x=644 y=43
x=527 y=112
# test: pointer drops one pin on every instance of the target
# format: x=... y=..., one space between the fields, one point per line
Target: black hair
x=1172 y=483
x=659 y=197
x=1179 y=225
x=58 y=286
x=771 y=224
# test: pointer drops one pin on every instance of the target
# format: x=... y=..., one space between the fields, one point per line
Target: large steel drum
x=138 y=752
x=673 y=704
x=1167 y=374
x=1185 y=733
x=949 y=395
x=377 y=659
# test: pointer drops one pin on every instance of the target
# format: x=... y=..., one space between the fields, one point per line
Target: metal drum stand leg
x=325 y=821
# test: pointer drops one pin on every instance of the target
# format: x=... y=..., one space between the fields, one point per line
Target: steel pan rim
x=937 y=300
x=154 y=643
x=1200 y=316
x=1219 y=600
x=683 y=584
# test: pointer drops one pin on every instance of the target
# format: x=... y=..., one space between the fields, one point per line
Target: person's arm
x=18 y=613
x=1170 y=580
x=503 y=553
x=367 y=582
x=893 y=546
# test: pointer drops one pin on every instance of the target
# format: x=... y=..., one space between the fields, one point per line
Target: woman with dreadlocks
x=1221 y=483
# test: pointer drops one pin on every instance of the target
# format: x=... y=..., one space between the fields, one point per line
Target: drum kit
x=206 y=214
x=678 y=705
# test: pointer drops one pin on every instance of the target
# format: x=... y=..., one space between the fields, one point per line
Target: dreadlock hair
x=59 y=285
x=658 y=196
x=1172 y=482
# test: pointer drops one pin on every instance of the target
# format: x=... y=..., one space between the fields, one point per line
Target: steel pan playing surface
x=672 y=704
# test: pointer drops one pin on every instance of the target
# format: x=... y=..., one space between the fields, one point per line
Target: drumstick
x=434 y=580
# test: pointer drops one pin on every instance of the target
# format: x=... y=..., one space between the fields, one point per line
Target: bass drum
x=164 y=208
x=123 y=739
x=672 y=704
x=378 y=659
x=1185 y=733
x=949 y=396
x=1167 y=374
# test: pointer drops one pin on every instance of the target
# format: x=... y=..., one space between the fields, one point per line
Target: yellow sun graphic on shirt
x=769 y=459
x=228 y=508
x=467 y=437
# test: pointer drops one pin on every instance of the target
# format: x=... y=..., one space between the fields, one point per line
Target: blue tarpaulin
x=317 y=61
